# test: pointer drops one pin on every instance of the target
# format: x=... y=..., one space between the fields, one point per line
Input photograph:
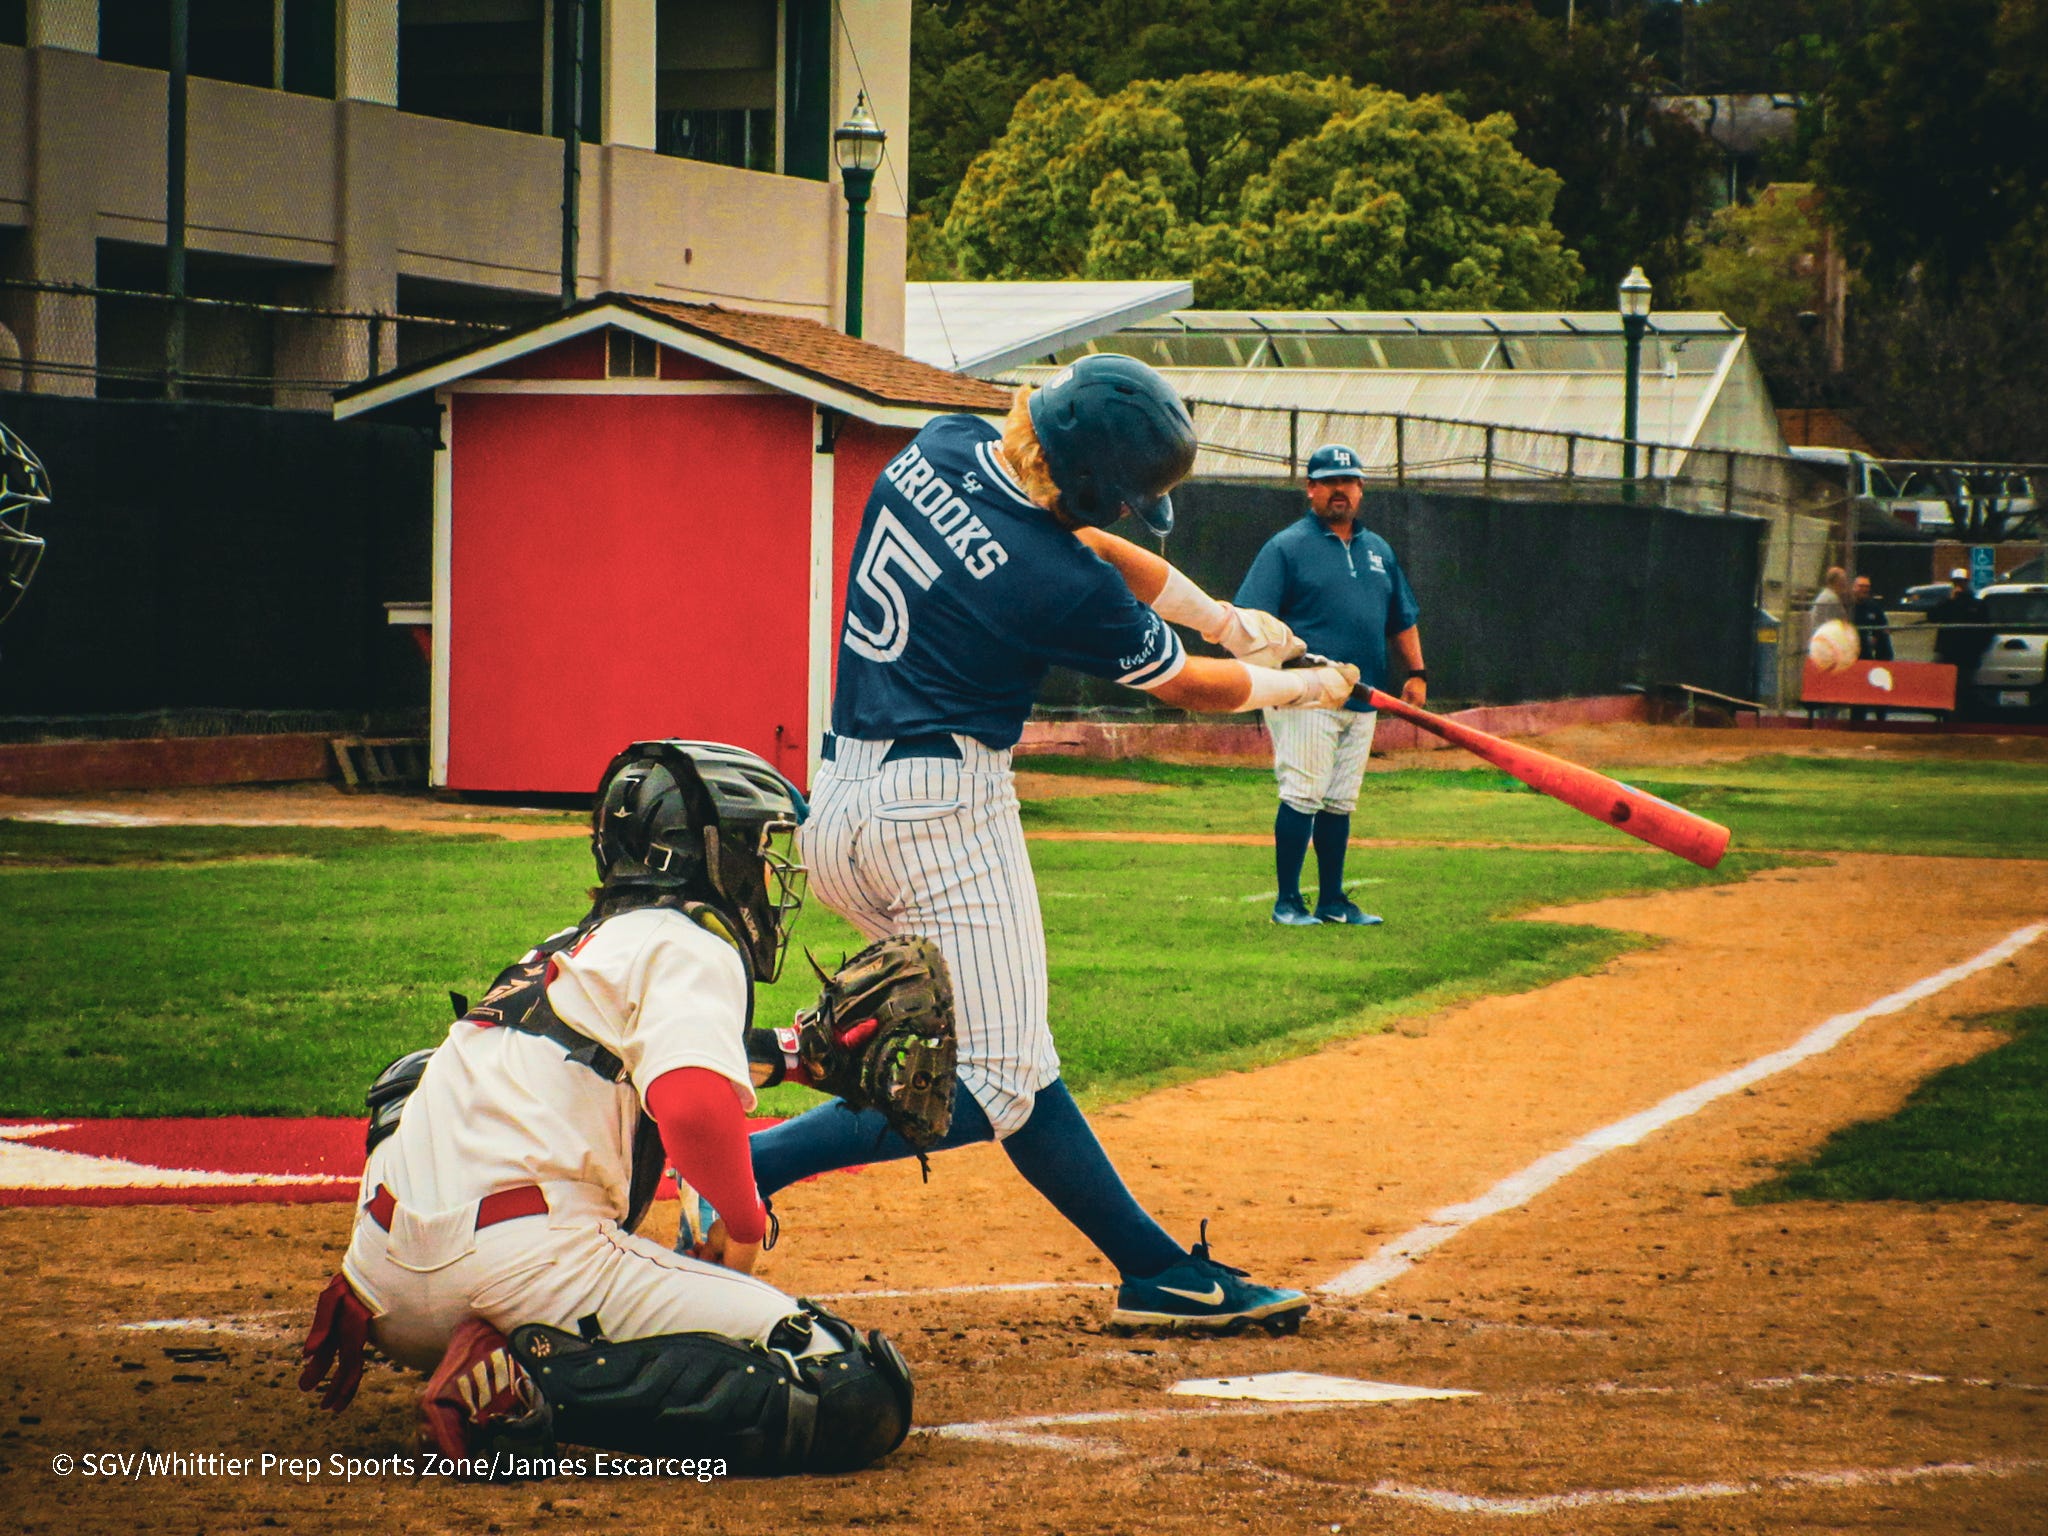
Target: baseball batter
x=509 y=1166
x=981 y=563
x=1339 y=587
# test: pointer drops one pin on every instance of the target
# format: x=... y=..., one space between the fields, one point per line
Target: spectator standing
x=1873 y=628
x=1960 y=633
x=1832 y=601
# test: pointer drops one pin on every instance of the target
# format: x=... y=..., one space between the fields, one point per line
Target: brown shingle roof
x=807 y=347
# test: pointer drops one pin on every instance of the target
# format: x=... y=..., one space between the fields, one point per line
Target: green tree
x=1272 y=192
x=1584 y=101
x=1936 y=147
x=1934 y=168
x=1760 y=264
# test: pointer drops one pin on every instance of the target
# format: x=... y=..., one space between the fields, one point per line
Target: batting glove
x=1254 y=636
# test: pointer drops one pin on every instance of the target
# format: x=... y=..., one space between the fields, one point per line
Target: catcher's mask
x=24 y=484
x=704 y=819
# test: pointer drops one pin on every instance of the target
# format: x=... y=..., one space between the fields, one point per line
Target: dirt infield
x=1645 y=1354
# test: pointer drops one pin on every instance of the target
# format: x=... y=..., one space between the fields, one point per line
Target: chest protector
x=518 y=999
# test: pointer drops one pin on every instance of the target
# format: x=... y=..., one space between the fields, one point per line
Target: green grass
x=1975 y=1131
x=1166 y=965
x=274 y=970
x=1972 y=809
x=260 y=970
x=209 y=970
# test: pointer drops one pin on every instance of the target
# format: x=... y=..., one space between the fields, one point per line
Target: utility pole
x=572 y=144
x=174 y=198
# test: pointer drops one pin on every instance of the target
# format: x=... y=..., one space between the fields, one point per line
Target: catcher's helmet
x=705 y=819
x=24 y=484
x=1116 y=440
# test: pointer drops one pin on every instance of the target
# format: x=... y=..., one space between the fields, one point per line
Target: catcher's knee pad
x=863 y=1391
x=760 y=1409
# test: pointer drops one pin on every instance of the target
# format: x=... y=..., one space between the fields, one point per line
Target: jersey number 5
x=892 y=545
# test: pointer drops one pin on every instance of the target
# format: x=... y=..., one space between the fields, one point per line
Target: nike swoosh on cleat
x=1208 y=1298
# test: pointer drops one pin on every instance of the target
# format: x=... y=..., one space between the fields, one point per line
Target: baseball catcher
x=493 y=1244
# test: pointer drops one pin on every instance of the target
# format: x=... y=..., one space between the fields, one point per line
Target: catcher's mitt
x=882 y=1036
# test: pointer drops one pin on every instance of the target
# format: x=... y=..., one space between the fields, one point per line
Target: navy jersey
x=964 y=593
x=1343 y=598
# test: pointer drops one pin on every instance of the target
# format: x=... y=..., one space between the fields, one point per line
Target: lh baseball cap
x=1959 y=574
x=1333 y=461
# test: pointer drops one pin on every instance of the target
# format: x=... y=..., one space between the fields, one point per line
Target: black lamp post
x=857 y=146
x=1634 y=299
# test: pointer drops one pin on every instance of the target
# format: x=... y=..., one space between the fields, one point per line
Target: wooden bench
x=1686 y=700
x=1883 y=686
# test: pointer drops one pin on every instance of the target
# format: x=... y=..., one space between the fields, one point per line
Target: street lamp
x=1634 y=300
x=857 y=146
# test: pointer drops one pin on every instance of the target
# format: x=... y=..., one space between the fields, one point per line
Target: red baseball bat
x=1657 y=822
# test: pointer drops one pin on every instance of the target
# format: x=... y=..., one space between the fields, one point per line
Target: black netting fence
x=214 y=567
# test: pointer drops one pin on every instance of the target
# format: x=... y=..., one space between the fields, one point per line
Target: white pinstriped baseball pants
x=1319 y=756
x=931 y=846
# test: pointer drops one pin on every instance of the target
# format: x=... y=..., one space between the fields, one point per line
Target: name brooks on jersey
x=951 y=518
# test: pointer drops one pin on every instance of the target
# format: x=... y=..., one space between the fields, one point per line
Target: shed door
x=624 y=567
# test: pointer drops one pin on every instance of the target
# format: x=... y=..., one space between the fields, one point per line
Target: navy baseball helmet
x=1116 y=440
x=1333 y=461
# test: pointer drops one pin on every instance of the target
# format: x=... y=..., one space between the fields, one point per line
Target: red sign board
x=1883 y=684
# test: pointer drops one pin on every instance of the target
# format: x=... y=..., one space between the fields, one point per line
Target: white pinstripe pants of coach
x=1319 y=756
x=932 y=846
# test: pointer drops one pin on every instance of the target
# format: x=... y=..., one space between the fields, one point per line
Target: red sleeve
x=704 y=1132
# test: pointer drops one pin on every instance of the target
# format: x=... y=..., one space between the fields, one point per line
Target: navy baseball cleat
x=1345 y=911
x=1200 y=1294
x=1292 y=912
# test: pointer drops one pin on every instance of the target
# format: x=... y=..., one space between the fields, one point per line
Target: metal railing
x=75 y=338
x=1399 y=449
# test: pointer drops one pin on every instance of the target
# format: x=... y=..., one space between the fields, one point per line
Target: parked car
x=1923 y=597
x=2012 y=677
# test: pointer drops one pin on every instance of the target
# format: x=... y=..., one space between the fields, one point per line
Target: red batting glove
x=341 y=1327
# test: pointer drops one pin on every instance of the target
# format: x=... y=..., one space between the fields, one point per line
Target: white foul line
x=1547 y=1503
x=1396 y=1258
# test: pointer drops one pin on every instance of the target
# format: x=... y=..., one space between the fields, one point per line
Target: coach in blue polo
x=1339 y=587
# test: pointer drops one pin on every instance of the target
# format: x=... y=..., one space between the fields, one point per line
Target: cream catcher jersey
x=499 y=1108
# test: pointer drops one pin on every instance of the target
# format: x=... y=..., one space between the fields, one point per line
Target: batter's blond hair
x=1026 y=458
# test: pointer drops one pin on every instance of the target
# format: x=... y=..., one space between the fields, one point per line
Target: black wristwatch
x=1421 y=672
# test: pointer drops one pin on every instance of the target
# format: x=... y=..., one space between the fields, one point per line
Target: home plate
x=1308 y=1387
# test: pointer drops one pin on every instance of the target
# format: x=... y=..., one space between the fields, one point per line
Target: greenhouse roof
x=986 y=327
x=1273 y=375
x=1542 y=341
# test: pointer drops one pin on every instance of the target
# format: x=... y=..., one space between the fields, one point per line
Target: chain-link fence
x=122 y=344
x=1905 y=532
x=1240 y=441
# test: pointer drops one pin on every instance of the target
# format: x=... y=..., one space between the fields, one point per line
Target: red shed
x=643 y=515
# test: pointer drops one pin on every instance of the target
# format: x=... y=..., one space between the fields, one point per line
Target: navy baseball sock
x=1058 y=1154
x=834 y=1136
x=1291 y=829
x=1332 y=837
